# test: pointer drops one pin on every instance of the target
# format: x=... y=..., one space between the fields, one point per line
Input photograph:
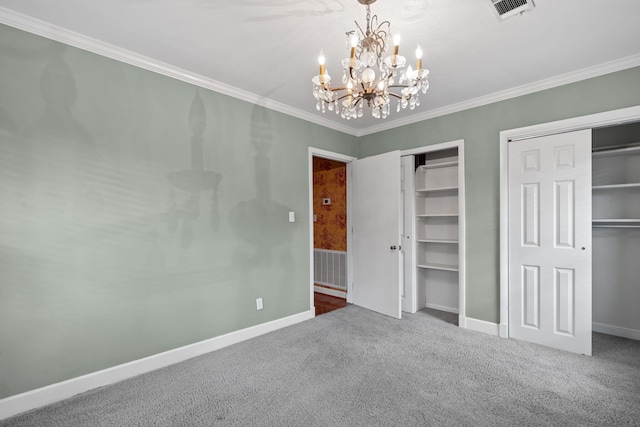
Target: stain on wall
x=138 y=213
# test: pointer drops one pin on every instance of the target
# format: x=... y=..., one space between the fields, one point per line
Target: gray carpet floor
x=352 y=367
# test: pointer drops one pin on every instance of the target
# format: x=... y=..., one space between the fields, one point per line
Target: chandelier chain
x=368 y=20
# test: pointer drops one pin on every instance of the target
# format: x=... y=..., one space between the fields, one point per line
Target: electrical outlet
x=259 y=304
x=292 y=217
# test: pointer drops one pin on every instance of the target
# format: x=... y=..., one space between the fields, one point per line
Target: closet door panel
x=564 y=221
x=550 y=241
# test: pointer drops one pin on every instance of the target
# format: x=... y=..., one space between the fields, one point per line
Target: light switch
x=292 y=217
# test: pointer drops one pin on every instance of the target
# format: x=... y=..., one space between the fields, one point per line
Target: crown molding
x=53 y=32
x=526 y=89
x=71 y=38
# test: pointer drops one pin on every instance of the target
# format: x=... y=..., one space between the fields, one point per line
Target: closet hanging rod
x=614 y=226
x=615 y=147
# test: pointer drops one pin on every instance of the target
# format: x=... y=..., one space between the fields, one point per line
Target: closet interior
x=432 y=199
x=616 y=230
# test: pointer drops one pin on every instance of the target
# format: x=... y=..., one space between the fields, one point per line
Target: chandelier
x=368 y=78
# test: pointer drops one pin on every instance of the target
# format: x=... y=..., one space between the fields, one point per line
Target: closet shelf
x=439 y=165
x=447 y=241
x=452 y=215
x=615 y=186
x=620 y=220
x=434 y=266
x=617 y=152
x=433 y=190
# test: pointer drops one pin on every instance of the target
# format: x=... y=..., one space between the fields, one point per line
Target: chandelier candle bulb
x=321 y=62
x=396 y=48
x=418 y=58
x=354 y=44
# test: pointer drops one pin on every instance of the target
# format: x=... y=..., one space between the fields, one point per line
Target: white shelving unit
x=616 y=241
x=437 y=235
x=616 y=187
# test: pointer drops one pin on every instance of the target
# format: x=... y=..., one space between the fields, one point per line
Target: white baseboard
x=442 y=308
x=618 y=331
x=480 y=326
x=14 y=405
x=328 y=291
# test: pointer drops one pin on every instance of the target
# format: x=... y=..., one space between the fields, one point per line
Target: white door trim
x=608 y=118
x=459 y=144
x=317 y=152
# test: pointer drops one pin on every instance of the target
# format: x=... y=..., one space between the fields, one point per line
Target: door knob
x=393 y=248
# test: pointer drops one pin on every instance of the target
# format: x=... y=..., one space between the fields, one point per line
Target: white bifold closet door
x=550 y=241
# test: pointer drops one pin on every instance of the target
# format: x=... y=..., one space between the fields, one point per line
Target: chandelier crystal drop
x=368 y=77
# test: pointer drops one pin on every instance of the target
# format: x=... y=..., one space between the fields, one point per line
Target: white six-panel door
x=550 y=241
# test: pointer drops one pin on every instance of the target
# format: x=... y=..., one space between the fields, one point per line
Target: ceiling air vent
x=508 y=8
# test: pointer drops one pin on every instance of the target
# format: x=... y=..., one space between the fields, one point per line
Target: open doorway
x=329 y=234
x=329 y=207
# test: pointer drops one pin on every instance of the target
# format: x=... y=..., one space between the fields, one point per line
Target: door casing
x=317 y=152
x=459 y=145
x=608 y=118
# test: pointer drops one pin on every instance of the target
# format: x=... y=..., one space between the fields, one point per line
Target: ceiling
x=265 y=51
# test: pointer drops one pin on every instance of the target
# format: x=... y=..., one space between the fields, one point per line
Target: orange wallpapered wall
x=330 y=181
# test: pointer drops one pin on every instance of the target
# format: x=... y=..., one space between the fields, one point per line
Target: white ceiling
x=266 y=51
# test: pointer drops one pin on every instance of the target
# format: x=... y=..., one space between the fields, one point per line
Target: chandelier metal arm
x=400 y=86
x=336 y=89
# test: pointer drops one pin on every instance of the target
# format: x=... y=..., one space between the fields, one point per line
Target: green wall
x=138 y=213
x=480 y=128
